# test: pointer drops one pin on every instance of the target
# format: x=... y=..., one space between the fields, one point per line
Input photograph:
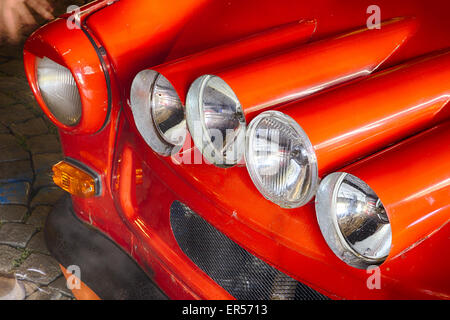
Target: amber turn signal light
x=74 y=180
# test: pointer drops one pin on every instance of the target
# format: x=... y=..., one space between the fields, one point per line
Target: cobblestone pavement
x=29 y=146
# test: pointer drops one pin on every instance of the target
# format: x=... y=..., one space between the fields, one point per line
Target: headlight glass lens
x=167 y=111
x=216 y=121
x=281 y=160
x=158 y=112
x=59 y=91
x=353 y=220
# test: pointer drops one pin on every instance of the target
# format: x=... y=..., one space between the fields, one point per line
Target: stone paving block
x=37 y=244
x=30 y=287
x=12 y=213
x=43 y=168
x=15 y=113
x=12 y=149
x=10 y=85
x=11 y=50
x=39 y=268
x=43 y=179
x=3 y=129
x=6 y=100
x=45 y=161
x=13 y=68
x=39 y=216
x=13 y=153
x=7 y=140
x=47 y=196
x=60 y=284
x=7 y=256
x=16 y=234
x=16 y=171
x=32 y=127
x=26 y=97
x=46 y=293
x=14 y=193
x=44 y=144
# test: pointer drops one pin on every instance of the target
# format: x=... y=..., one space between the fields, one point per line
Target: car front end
x=143 y=222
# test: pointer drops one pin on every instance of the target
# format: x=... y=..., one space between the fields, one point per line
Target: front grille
x=240 y=273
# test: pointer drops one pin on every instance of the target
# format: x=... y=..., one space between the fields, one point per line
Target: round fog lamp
x=59 y=91
x=353 y=220
x=158 y=112
x=281 y=160
x=216 y=121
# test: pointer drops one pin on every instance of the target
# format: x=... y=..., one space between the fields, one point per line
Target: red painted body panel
x=128 y=28
x=183 y=71
x=82 y=60
x=412 y=180
x=288 y=239
x=319 y=65
x=367 y=115
x=141 y=29
x=138 y=34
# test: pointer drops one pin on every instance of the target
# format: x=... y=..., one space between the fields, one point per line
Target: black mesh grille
x=237 y=271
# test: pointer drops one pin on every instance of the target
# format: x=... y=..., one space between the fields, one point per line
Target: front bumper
x=104 y=266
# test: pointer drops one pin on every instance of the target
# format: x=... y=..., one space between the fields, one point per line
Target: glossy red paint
x=412 y=180
x=287 y=239
x=140 y=33
x=74 y=51
x=129 y=195
x=308 y=69
x=135 y=28
x=365 y=116
x=183 y=71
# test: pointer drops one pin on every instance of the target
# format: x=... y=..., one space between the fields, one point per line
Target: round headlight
x=158 y=112
x=281 y=160
x=59 y=91
x=353 y=220
x=216 y=121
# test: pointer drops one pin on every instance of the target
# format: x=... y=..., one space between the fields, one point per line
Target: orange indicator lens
x=74 y=180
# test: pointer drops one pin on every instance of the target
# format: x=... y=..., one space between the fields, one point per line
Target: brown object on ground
x=10 y=288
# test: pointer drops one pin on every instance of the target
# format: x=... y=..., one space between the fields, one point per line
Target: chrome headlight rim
x=141 y=106
x=309 y=148
x=201 y=138
x=325 y=205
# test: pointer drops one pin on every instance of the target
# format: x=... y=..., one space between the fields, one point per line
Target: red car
x=247 y=149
